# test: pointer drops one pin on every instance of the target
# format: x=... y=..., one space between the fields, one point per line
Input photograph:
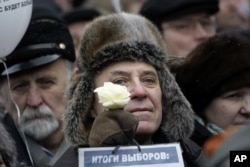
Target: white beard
x=39 y=122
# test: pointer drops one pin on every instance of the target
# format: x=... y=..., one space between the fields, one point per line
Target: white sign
x=158 y=155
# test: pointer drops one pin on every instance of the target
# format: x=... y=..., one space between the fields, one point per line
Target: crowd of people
x=185 y=64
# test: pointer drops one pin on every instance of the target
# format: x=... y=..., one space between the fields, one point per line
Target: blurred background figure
x=65 y=5
x=215 y=80
x=233 y=14
x=77 y=20
x=114 y=6
x=237 y=140
x=183 y=23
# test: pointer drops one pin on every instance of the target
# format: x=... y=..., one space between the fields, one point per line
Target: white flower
x=113 y=96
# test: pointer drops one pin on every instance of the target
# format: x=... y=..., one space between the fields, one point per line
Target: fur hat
x=220 y=64
x=115 y=38
x=44 y=41
x=161 y=10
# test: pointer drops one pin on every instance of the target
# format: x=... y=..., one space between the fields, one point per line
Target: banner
x=161 y=155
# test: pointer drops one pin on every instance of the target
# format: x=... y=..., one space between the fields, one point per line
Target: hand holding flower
x=113 y=96
x=115 y=127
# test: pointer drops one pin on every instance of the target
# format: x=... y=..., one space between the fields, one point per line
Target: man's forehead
x=41 y=71
x=192 y=16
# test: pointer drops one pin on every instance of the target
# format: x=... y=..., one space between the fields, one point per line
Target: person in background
x=114 y=6
x=184 y=24
x=127 y=49
x=33 y=86
x=215 y=80
x=65 y=5
x=77 y=20
x=233 y=14
x=238 y=140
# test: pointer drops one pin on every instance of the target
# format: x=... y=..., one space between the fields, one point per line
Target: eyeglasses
x=189 y=25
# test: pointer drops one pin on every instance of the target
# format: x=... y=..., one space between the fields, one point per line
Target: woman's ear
x=92 y=114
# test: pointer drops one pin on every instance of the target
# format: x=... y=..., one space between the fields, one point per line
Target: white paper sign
x=160 y=155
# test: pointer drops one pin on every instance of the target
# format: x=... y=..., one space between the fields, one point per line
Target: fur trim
x=117 y=43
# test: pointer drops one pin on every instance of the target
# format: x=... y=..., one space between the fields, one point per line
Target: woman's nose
x=137 y=90
x=246 y=105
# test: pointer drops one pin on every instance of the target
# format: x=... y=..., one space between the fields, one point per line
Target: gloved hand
x=112 y=128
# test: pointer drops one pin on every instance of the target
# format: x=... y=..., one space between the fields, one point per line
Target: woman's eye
x=149 y=81
x=119 y=82
x=233 y=95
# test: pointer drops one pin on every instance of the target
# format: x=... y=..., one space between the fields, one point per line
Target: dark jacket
x=23 y=157
x=201 y=134
x=32 y=154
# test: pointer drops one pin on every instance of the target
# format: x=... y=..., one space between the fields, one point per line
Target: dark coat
x=201 y=134
x=32 y=154
x=23 y=157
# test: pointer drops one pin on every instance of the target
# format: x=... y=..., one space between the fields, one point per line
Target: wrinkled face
x=230 y=109
x=183 y=34
x=142 y=82
x=40 y=97
x=234 y=13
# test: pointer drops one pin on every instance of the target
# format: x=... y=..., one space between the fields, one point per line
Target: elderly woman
x=215 y=79
x=128 y=50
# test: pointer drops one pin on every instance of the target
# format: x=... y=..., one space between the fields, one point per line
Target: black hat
x=219 y=65
x=80 y=14
x=159 y=10
x=44 y=41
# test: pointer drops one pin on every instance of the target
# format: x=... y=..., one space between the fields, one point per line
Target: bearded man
x=34 y=79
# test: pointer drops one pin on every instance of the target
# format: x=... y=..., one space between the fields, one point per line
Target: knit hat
x=44 y=42
x=220 y=64
x=124 y=37
x=160 y=10
x=80 y=14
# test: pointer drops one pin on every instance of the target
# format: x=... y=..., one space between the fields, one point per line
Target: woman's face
x=230 y=109
x=142 y=82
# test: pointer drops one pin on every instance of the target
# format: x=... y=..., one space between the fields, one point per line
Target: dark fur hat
x=160 y=10
x=114 y=38
x=218 y=65
x=43 y=42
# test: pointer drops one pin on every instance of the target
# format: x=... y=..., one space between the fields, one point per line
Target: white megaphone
x=15 y=16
